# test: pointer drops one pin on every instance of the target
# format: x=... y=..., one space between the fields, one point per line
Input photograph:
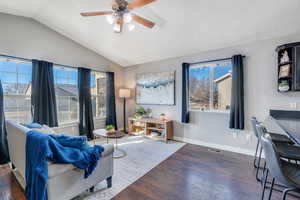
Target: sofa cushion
x=70 y=129
x=45 y=129
x=50 y=130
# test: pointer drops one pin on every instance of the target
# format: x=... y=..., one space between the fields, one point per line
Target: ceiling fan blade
x=89 y=14
x=143 y=21
x=139 y=3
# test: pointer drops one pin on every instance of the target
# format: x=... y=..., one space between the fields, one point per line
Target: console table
x=146 y=126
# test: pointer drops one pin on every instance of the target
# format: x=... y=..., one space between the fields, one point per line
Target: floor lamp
x=124 y=93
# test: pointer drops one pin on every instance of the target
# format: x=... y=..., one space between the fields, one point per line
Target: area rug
x=143 y=154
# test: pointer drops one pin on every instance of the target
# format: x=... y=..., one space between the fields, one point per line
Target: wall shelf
x=288 y=76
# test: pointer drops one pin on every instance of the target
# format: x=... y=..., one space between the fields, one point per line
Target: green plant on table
x=109 y=127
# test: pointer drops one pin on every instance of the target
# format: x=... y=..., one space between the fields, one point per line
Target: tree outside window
x=210 y=86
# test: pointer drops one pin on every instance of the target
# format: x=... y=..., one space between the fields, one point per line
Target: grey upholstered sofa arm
x=108 y=149
x=57 y=169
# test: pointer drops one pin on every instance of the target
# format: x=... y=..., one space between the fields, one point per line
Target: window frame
x=98 y=95
x=77 y=121
x=27 y=61
x=17 y=73
x=211 y=64
x=56 y=96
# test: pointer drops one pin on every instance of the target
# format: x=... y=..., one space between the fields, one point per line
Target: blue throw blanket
x=41 y=148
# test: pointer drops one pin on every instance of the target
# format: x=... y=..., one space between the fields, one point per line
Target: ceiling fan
x=121 y=13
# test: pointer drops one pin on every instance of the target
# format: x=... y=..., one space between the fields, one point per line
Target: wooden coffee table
x=118 y=153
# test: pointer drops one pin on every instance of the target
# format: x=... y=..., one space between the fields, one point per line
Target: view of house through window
x=16 y=79
x=210 y=86
x=98 y=91
x=66 y=91
x=15 y=75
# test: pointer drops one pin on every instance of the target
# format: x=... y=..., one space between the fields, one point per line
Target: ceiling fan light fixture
x=127 y=17
x=121 y=14
x=117 y=27
x=110 y=19
x=131 y=27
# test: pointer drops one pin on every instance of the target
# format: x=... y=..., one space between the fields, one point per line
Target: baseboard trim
x=215 y=146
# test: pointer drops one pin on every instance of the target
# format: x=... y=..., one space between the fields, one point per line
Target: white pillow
x=45 y=129
x=50 y=130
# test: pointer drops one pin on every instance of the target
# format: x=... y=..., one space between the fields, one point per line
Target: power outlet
x=293 y=105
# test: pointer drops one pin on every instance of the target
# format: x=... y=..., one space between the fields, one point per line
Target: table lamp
x=125 y=94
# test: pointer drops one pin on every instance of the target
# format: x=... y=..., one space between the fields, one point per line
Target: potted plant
x=110 y=129
x=140 y=113
x=284 y=86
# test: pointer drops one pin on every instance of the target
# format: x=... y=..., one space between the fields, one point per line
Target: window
x=15 y=75
x=210 y=86
x=16 y=79
x=67 y=98
x=66 y=91
x=98 y=92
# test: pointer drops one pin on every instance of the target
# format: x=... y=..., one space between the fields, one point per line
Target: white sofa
x=65 y=181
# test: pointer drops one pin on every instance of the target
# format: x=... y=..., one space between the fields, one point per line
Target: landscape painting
x=155 y=88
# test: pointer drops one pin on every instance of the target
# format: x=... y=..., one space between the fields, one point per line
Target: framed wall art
x=155 y=88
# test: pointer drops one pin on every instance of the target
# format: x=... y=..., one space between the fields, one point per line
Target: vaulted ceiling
x=183 y=26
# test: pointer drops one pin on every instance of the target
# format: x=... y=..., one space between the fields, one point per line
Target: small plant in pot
x=140 y=113
x=284 y=86
x=110 y=129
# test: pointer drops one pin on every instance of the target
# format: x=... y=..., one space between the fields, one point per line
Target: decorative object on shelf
x=124 y=93
x=110 y=129
x=122 y=14
x=162 y=117
x=284 y=57
x=140 y=113
x=284 y=86
x=155 y=134
x=155 y=88
x=284 y=71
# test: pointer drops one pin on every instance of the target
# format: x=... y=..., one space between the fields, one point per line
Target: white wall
x=260 y=94
x=25 y=37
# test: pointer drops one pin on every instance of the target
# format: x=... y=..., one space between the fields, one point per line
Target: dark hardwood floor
x=192 y=173
x=196 y=173
x=9 y=187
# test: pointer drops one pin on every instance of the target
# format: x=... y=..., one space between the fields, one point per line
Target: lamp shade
x=124 y=93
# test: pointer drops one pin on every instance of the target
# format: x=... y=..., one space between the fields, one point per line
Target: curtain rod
x=208 y=61
x=30 y=60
